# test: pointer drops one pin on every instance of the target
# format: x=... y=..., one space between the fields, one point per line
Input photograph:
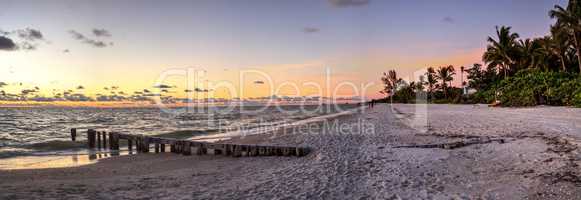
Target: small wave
x=183 y=134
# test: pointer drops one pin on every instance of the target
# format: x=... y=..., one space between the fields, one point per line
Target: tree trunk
x=563 y=63
x=578 y=48
x=444 y=87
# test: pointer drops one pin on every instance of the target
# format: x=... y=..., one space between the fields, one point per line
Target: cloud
x=28 y=46
x=348 y=3
x=95 y=43
x=27 y=39
x=66 y=51
x=101 y=32
x=27 y=91
x=201 y=90
x=448 y=20
x=258 y=82
x=30 y=34
x=2 y=84
x=310 y=30
x=77 y=97
x=162 y=86
x=7 y=44
x=110 y=98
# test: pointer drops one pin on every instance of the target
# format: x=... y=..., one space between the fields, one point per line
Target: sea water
x=41 y=131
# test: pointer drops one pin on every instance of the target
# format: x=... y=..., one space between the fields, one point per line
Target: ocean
x=46 y=130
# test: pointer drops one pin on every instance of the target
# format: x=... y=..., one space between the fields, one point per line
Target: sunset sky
x=128 y=44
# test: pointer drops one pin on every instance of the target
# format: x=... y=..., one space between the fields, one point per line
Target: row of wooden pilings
x=100 y=139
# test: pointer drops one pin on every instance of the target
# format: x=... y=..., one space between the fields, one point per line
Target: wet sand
x=538 y=159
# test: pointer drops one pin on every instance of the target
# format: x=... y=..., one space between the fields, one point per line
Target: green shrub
x=534 y=87
x=577 y=100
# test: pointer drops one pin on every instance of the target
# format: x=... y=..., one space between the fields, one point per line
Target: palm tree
x=390 y=81
x=569 y=20
x=446 y=74
x=531 y=53
x=430 y=80
x=501 y=53
x=559 y=43
x=462 y=83
x=545 y=52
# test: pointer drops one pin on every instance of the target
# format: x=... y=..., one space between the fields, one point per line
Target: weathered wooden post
x=139 y=144
x=137 y=147
x=73 y=134
x=286 y=151
x=254 y=150
x=219 y=149
x=301 y=151
x=236 y=150
x=187 y=148
x=203 y=148
x=98 y=140
x=172 y=147
x=156 y=147
x=162 y=146
x=91 y=138
x=178 y=147
x=113 y=141
x=129 y=145
x=145 y=144
x=227 y=149
x=245 y=150
x=104 y=135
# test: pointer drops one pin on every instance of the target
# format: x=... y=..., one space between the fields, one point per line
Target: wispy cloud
x=30 y=34
x=101 y=32
x=448 y=19
x=311 y=30
x=162 y=86
x=348 y=3
x=95 y=43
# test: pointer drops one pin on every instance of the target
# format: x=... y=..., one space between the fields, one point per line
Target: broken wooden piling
x=73 y=134
x=98 y=140
x=91 y=138
x=129 y=145
x=104 y=139
x=184 y=147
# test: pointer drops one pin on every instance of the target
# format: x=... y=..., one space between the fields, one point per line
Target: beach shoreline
x=534 y=161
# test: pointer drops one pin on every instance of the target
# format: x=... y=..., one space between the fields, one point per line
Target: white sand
x=536 y=162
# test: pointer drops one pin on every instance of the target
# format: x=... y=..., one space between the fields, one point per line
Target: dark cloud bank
x=21 y=39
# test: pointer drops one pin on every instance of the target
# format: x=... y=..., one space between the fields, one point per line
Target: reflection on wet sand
x=55 y=161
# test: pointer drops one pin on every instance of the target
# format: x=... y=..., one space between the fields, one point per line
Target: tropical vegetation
x=515 y=71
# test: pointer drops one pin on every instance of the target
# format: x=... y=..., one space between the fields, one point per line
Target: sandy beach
x=510 y=153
